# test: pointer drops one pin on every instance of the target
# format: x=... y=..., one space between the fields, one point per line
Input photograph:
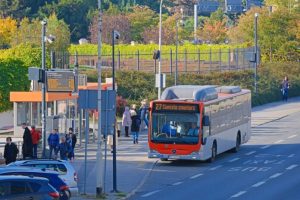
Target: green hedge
x=13 y=77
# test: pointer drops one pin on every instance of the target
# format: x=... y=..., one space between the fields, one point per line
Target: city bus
x=198 y=122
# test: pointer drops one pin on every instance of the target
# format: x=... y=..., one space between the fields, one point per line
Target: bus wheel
x=237 y=143
x=164 y=159
x=213 y=152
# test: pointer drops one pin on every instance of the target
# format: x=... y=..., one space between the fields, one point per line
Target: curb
x=130 y=194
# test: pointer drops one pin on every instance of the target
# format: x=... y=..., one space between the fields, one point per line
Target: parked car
x=64 y=168
x=53 y=177
x=25 y=188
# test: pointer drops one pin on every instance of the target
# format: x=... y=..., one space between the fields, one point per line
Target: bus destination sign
x=176 y=107
x=60 y=81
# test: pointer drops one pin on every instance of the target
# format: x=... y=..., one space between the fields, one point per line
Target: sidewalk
x=133 y=166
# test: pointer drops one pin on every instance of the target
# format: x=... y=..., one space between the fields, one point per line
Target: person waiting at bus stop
x=194 y=130
x=53 y=142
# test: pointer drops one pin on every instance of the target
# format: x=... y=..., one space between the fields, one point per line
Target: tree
x=8 y=7
x=8 y=27
x=119 y=23
x=214 y=31
x=141 y=18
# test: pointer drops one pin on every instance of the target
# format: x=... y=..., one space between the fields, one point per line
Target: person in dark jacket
x=10 y=151
x=27 y=142
x=72 y=140
x=285 y=86
x=35 y=135
x=53 y=142
x=135 y=125
x=63 y=149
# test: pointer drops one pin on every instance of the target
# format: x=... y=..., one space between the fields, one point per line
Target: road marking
x=259 y=184
x=266 y=146
x=195 y=176
x=279 y=141
x=177 y=183
x=214 y=168
x=292 y=136
x=275 y=175
x=151 y=193
x=251 y=152
x=292 y=155
x=291 y=167
x=238 y=194
x=235 y=159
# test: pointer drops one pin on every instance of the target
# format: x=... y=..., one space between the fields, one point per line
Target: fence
x=202 y=61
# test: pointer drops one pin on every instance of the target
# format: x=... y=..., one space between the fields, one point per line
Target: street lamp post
x=159 y=47
x=256 y=51
x=177 y=41
x=115 y=35
x=44 y=110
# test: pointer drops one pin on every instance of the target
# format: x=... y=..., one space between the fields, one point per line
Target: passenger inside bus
x=194 y=130
x=170 y=129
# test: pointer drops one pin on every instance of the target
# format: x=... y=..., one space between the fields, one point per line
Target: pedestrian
x=126 y=121
x=27 y=142
x=143 y=112
x=53 y=142
x=63 y=149
x=285 y=86
x=35 y=136
x=10 y=151
x=72 y=141
x=135 y=125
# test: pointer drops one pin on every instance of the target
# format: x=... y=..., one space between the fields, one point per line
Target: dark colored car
x=53 y=177
x=26 y=188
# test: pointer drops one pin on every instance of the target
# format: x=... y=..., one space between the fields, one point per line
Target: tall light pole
x=44 y=110
x=177 y=41
x=159 y=47
x=99 y=162
x=256 y=51
x=115 y=35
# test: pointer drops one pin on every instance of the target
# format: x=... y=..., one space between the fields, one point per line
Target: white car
x=65 y=169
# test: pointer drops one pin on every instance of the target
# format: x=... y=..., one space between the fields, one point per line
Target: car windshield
x=175 y=128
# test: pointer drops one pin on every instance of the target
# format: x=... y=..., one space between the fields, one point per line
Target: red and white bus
x=198 y=122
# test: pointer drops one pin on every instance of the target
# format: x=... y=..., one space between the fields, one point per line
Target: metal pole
x=195 y=23
x=85 y=146
x=114 y=127
x=44 y=110
x=176 y=66
x=99 y=163
x=255 y=38
x=160 y=53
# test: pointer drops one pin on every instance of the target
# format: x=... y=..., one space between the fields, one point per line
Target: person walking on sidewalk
x=143 y=112
x=10 y=151
x=53 y=142
x=35 y=136
x=27 y=142
x=285 y=86
x=126 y=120
x=135 y=125
x=72 y=140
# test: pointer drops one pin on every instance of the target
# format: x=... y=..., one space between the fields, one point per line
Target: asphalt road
x=267 y=167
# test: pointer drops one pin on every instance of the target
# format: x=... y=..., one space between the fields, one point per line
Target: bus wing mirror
x=205 y=120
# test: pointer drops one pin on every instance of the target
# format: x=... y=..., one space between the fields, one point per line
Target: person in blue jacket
x=64 y=149
x=53 y=142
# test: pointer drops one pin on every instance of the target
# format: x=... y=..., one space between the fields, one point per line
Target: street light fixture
x=256 y=51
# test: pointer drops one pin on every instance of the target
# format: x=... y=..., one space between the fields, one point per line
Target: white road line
x=177 y=183
x=235 y=159
x=195 y=176
x=238 y=194
x=275 y=175
x=292 y=155
x=266 y=146
x=214 y=168
x=251 y=152
x=258 y=184
x=150 y=193
x=292 y=136
x=291 y=167
x=279 y=141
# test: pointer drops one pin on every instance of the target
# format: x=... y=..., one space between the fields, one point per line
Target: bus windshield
x=175 y=128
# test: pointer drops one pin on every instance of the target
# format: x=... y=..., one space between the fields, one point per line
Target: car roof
x=26 y=169
x=39 y=161
x=21 y=177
